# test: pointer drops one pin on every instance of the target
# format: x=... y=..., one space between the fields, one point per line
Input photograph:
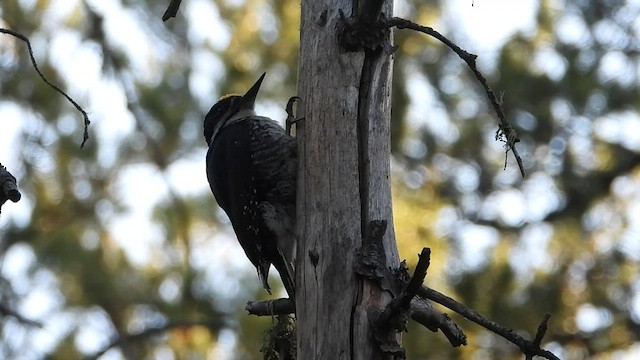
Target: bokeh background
x=124 y=235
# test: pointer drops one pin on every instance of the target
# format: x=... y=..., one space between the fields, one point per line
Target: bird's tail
x=263 y=274
x=287 y=273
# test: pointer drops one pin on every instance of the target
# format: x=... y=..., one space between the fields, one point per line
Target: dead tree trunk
x=343 y=183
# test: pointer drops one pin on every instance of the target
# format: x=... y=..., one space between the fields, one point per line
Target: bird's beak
x=249 y=99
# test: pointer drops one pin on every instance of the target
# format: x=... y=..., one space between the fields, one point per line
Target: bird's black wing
x=273 y=151
x=233 y=184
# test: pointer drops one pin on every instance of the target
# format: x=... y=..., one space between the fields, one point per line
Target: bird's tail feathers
x=263 y=274
x=287 y=274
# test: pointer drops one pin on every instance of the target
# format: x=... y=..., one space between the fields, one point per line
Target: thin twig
x=542 y=330
x=85 y=136
x=505 y=130
x=424 y=260
x=172 y=10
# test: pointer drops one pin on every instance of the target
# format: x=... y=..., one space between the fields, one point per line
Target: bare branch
x=505 y=130
x=542 y=330
x=172 y=10
x=403 y=302
x=85 y=136
x=271 y=307
x=526 y=346
x=424 y=313
x=395 y=316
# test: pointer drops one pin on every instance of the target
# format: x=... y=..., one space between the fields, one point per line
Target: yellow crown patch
x=227 y=96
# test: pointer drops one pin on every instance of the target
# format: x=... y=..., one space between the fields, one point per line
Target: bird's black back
x=251 y=167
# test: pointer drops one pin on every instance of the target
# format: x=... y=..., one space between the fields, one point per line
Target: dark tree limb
x=402 y=303
x=282 y=306
x=505 y=130
x=395 y=316
x=528 y=347
x=85 y=136
x=172 y=10
x=425 y=314
x=8 y=187
x=542 y=330
x=123 y=339
x=424 y=260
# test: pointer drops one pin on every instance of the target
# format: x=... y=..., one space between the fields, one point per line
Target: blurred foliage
x=80 y=259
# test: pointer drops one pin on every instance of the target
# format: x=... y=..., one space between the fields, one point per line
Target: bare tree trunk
x=343 y=183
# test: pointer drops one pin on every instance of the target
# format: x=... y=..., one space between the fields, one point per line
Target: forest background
x=124 y=235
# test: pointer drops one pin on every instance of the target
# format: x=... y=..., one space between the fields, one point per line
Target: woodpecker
x=251 y=168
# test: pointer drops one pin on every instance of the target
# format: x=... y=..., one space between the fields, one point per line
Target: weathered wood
x=343 y=183
x=328 y=205
x=374 y=119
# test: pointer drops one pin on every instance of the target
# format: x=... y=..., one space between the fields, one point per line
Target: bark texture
x=344 y=151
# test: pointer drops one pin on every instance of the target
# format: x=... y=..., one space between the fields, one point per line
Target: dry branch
x=505 y=130
x=403 y=301
x=528 y=347
x=172 y=10
x=281 y=306
x=85 y=136
x=425 y=314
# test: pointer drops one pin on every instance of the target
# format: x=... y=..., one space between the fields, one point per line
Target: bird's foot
x=291 y=117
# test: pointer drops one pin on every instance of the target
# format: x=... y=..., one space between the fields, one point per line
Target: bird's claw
x=291 y=117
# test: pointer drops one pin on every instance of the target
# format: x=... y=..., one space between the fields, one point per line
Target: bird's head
x=230 y=107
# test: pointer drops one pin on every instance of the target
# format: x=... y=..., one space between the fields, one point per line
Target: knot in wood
x=356 y=35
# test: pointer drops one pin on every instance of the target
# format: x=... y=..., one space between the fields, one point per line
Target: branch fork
x=387 y=322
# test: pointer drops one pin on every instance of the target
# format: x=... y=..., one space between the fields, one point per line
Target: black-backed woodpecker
x=251 y=168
